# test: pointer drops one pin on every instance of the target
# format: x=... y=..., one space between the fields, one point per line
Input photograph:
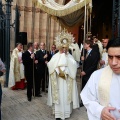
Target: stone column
x=21 y=3
x=37 y=25
x=29 y=20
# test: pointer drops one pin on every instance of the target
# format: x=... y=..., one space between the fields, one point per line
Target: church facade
x=39 y=26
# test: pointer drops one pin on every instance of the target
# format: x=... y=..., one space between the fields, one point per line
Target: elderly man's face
x=42 y=46
x=20 y=47
x=104 y=43
x=36 y=45
x=65 y=49
x=53 y=47
x=114 y=59
x=95 y=40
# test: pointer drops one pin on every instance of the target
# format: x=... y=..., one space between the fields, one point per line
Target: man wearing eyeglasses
x=53 y=51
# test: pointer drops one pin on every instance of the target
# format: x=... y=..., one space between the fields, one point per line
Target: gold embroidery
x=55 y=94
x=69 y=89
x=104 y=86
x=61 y=74
x=54 y=88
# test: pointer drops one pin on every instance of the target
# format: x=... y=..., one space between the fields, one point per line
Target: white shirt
x=89 y=96
x=29 y=51
x=105 y=58
x=88 y=52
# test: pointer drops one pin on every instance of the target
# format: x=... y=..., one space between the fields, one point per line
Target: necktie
x=43 y=51
x=52 y=53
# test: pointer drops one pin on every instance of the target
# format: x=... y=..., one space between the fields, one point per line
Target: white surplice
x=75 y=52
x=63 y=108
x=90 y=99
x=16 y=72
x=100 y=47
x=105 y=58
x=21 y=66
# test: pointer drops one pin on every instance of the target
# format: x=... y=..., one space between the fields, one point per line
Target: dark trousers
x=41 y=81
x=37 y=83
x=84 y=81
x=29 y=86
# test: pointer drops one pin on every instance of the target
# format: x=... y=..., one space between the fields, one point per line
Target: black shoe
x=38 y=95
x=45 y=91
x=58 y=119
x=81 y=105
x=29 y=99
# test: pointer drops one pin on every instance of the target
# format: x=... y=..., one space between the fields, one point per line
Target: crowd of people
x=54 y=72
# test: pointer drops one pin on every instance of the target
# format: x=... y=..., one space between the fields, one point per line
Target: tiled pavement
x=16 y=107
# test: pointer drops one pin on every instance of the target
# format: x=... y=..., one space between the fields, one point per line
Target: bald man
x=43 y=57
x=36 y=47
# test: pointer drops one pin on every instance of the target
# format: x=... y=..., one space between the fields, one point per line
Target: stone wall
x=34 y=22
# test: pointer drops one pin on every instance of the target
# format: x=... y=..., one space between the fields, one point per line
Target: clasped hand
x=32 y=56
x=45 y=56
x=106 y=115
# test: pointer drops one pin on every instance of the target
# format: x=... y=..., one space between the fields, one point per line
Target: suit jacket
x=96 y=49
x=28 y=64
x=51 y=55
x=90 y=63
x=41 y=61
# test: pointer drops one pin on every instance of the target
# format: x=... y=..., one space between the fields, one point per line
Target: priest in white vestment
x=75 y=52
x=96 y=41
x=104 y=58
x=16 y=74
x=62 y=91
x=101 y=95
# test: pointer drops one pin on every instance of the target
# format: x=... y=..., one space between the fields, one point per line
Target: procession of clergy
x=55 y=72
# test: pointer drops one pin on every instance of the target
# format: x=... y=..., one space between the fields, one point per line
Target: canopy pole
x=90 y=23
x=87 y=22
x=83 y=44
x=84 y=25
x=33 y=26
x=48 y=27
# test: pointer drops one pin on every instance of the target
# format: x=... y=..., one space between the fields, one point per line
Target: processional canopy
x=69 y=14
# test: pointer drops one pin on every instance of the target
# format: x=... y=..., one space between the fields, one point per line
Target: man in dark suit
x=28 y=58
x=91 y=59
x=53 y=51
x=90 y=62
x=43 y=57
x=96 y=49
